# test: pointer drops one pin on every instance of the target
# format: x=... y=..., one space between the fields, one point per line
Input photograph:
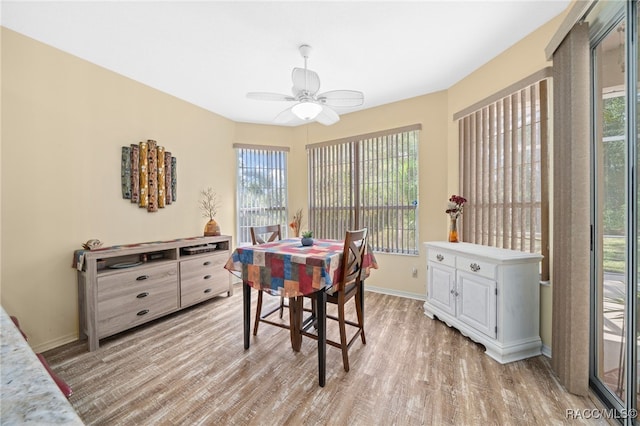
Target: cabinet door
x=442 y=288
x=477 y=302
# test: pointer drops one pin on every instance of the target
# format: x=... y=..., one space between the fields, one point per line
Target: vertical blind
x=367 y=181
x=503 y=171
x=261 y=188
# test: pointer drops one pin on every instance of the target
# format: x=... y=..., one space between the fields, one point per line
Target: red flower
x=454 y=209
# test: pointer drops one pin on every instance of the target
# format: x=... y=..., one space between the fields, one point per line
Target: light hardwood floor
x=191 y=368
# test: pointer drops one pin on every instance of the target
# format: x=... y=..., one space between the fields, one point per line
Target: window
x=262 y=188
x=367 y=181
x=503 y=168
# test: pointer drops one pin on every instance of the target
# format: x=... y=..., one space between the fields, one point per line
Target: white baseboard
x=406 y=294
x=546 y=351
x=43 y=347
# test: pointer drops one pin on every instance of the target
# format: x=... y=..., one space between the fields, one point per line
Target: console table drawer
x=197 y=289
x=475 y=266
x=202 y=265
x=442 y=257
x=135 y=280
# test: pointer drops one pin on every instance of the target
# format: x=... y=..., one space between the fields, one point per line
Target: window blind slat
x=522 y=169
x=533 y=107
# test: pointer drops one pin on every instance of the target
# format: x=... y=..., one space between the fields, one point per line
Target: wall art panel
x=148 y=175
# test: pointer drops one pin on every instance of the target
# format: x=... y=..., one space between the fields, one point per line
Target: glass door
x=613 y=371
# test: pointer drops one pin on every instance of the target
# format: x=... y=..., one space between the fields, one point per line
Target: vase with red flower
x=454 y=210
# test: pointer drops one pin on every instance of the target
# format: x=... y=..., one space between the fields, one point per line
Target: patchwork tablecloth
x=288 y=268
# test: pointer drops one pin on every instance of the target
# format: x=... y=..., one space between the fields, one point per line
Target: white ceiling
x=211 y=53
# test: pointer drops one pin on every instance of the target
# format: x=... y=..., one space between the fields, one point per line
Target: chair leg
x=281 y=305
x=343 y=337
x=258 y=313
x=356 y=299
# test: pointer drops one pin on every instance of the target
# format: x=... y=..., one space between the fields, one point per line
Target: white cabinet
x=491 y=295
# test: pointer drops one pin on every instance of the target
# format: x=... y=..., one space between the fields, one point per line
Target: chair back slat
x=355 y=246
x=265 y=234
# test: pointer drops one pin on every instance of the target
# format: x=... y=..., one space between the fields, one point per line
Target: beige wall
x=64 y=121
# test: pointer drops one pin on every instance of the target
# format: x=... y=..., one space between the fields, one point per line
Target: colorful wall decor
x=148 y=175
x=135 y=173
x=126 y=172
x=144 y=175
x=167 y=178
x=174 y=180
x=152 y=172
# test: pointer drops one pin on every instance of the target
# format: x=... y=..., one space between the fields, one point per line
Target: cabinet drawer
x=202 y=264
x=442 y=257
x=203 y=278
x=134 y=297
x=475 y=266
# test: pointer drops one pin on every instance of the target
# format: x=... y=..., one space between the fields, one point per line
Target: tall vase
x=211 y=228
x=453 y=230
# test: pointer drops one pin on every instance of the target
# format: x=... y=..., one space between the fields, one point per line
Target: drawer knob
x=474 y=267
x=207 y=263
x=206 y=277
x=143 y=312
x=142 y=277
x=440 y=258
x=208 y=290
x=142 y=295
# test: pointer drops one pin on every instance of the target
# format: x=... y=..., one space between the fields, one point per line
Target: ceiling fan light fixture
x=306 y=110
x=310 y=106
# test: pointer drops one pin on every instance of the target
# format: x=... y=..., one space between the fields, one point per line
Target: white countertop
x=493 y=253
x=28 y=394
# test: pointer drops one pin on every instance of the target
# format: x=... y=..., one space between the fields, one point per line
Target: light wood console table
x=121 y=287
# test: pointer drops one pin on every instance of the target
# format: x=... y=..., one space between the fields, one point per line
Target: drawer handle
x=474 y=267
x=142 y=295
x=440 y=258
x=208 y=290
x=143 y=312
x=206 y=277
x=207 y=263
x=142 y=277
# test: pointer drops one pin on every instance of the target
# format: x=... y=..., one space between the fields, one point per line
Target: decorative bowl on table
x=92 y=244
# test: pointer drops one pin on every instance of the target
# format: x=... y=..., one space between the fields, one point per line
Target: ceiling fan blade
x=305 y=80
x=285 y=116
x=342 y=98
x=327 y=116
x=267 y=96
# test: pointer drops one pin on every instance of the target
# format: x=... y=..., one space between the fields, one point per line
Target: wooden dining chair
x=261 y=235
x=349 y=287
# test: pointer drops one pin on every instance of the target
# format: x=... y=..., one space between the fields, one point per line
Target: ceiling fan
x=309 y=105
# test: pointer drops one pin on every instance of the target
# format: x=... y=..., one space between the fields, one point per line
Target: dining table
x=289 y=269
